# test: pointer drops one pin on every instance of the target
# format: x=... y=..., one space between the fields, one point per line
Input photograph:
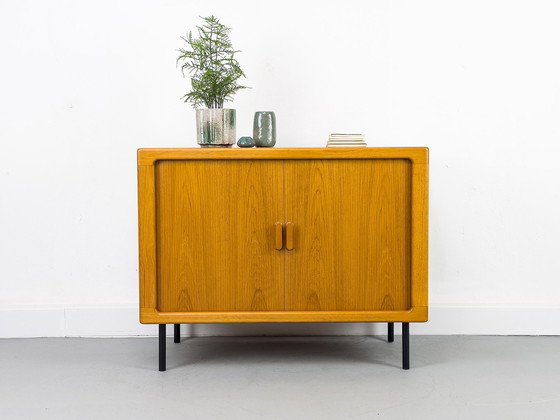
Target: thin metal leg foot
x=177 y=333
x=391 y=332
x=162 y=333
x=405 y=346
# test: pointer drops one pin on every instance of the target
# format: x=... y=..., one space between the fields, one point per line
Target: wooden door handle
x=289 y=236
x=278 y=241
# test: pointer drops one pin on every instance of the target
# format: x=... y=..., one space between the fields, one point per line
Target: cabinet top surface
x=418 y=155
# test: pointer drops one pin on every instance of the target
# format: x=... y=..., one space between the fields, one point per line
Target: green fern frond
x=210 y=62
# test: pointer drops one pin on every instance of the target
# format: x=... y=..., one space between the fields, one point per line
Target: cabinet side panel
x=147 y=236
x=352 y=248
x=420 y=235
x=215 y=235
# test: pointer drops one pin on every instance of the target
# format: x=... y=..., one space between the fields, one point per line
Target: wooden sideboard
x=283 y=235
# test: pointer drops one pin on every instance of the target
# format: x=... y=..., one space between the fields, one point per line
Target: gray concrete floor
x=451 y=377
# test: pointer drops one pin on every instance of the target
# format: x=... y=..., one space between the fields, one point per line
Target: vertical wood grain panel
x=419 y=235
x=352 y=242
x=215 y=234
x=147 y=236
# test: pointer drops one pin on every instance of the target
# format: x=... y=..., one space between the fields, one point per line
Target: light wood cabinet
x=283 y=235
x=214 y=235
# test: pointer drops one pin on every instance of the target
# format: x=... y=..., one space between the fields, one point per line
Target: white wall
x=83 y=84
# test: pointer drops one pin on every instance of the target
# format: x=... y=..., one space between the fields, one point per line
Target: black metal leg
x=391 y=332
x=162 y=347
x=177 y=333
x=405 y=346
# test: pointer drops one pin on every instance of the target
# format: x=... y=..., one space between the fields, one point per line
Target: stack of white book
x=347 y=140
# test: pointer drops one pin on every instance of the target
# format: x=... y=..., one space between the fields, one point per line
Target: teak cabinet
x=283 y=235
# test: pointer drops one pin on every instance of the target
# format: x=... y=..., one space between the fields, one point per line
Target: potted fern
x=209 y=60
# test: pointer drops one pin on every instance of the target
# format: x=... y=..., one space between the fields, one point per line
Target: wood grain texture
x=414 y=154
x=419 y=235
x=216 y=236
x=147 y=236
x=416 y=314
x=352 y=222
x=244 y=292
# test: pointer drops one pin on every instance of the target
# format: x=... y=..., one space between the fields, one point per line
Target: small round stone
x=246 y=142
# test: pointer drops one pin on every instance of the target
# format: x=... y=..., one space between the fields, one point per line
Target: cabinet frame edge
x=417 y=155
x=151 y=316
x=147 y=235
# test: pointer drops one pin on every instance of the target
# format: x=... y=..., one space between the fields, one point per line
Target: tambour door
x=215 y=235
x=352 y=234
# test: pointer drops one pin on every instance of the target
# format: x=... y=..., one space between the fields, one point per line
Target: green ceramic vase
x=264 y=129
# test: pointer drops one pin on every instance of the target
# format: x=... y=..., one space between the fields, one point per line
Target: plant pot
x=215 y=127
